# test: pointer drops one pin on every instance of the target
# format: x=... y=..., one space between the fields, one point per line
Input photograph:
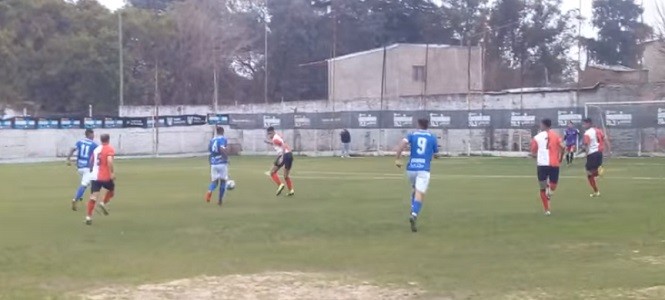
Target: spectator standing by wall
x=345 y=137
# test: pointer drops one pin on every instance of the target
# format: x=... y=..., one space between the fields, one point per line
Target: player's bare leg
x=416 y=205
x=289 y=183
x=211 y=189
x=91 y=208
x=222 y=190
x=276 y=180
x=544 y=198
x=107 y=198
x=591 y=177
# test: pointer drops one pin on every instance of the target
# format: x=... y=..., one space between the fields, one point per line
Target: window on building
x=419 y=73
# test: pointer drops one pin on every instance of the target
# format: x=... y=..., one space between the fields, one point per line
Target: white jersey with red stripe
x=594 y=139
x=280 y=146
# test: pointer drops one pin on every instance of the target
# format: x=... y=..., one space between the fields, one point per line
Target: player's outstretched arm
x=400 y=148
x=69 y=157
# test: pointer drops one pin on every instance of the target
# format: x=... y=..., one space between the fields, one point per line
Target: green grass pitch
x=482 y=231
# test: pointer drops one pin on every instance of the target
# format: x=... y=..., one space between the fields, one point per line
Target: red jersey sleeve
x=277 y=142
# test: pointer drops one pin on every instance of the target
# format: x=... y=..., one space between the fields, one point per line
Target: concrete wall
x=359 y=75
x=654 y=60
x=593 y=75
x=48 y=144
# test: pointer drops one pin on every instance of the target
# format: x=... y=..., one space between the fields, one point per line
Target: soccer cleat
x=292 y=192
x=74 y=206
x=595 y=195
x=220 y=202
x=105 y=211
x=548 y=213
x=280 y=189
x=413 y=220
x=88 y=221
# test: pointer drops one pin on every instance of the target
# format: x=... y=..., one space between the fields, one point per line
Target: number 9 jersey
x=423 y=147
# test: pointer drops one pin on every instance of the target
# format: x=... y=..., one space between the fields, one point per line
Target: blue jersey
x=84 y=147
x=423 y=147
x=217 y=157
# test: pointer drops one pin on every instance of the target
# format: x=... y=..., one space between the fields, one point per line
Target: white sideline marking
x=381 y=176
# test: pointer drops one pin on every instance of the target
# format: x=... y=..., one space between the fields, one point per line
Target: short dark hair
x=547 y=122
x=105 y=138
x=423 y=123
x=89 y=131
x=270 y=129
x=220 y=130
x=588 y=121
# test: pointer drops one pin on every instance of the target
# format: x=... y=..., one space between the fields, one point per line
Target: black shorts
x=285 y=160
x=547 y=172
x=594 y=161
x=97 y=186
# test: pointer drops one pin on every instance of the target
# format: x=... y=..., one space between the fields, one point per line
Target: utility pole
x=265 y=53
x=121 y=61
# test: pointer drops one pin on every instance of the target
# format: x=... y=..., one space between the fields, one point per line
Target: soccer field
x=482 y=232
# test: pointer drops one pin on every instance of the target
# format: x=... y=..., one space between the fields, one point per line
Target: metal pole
x=383 y=85
x=265 y=53
x=121 y=61
x=90 y=110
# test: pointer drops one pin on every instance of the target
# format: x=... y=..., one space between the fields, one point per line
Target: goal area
x=633 y=128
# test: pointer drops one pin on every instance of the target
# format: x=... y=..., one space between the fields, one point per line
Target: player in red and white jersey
x=594 y=145
x=547 y=147
x=102 y=175
x=284 y=159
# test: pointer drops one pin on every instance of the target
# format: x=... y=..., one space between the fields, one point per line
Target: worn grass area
x=482 y=236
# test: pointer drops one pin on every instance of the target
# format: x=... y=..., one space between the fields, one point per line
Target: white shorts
x=219 y=172
x=419 y=180
x=85 y=176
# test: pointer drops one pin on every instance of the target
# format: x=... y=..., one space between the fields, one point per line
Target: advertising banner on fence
x=23 y=123
x=47 y=123
x=302 y=121
x=196 y=120
x=245 y=121
x=217 y=119
x=519 y=119
x=272 y=121
x=68 y=123
x=402 y=120
x=135 y=122
x=661 y=116
x=111 y=122
x=5 y=124
x=92 y=122
x=368 y=119
x=478 y=119
x=564 y=116
x=618 y=118
x=440 y=120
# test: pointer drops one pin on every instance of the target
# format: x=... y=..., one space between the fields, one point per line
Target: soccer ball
x=230 y=184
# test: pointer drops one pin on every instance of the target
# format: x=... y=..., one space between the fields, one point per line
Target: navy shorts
x=594 y=161
x=547 y=172
x=97 y=186
x=285 y=160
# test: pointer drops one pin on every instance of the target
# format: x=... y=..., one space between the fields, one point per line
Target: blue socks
x=79 y=193
x=213 y=186
x=222 y=190
x=415 y=207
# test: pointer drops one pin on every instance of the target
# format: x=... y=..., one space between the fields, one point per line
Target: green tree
x=619 y=33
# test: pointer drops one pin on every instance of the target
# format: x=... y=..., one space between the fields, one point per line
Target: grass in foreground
x=482 y=232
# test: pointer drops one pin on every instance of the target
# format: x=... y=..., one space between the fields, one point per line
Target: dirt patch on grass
x=654 y=260
x=269 y=286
